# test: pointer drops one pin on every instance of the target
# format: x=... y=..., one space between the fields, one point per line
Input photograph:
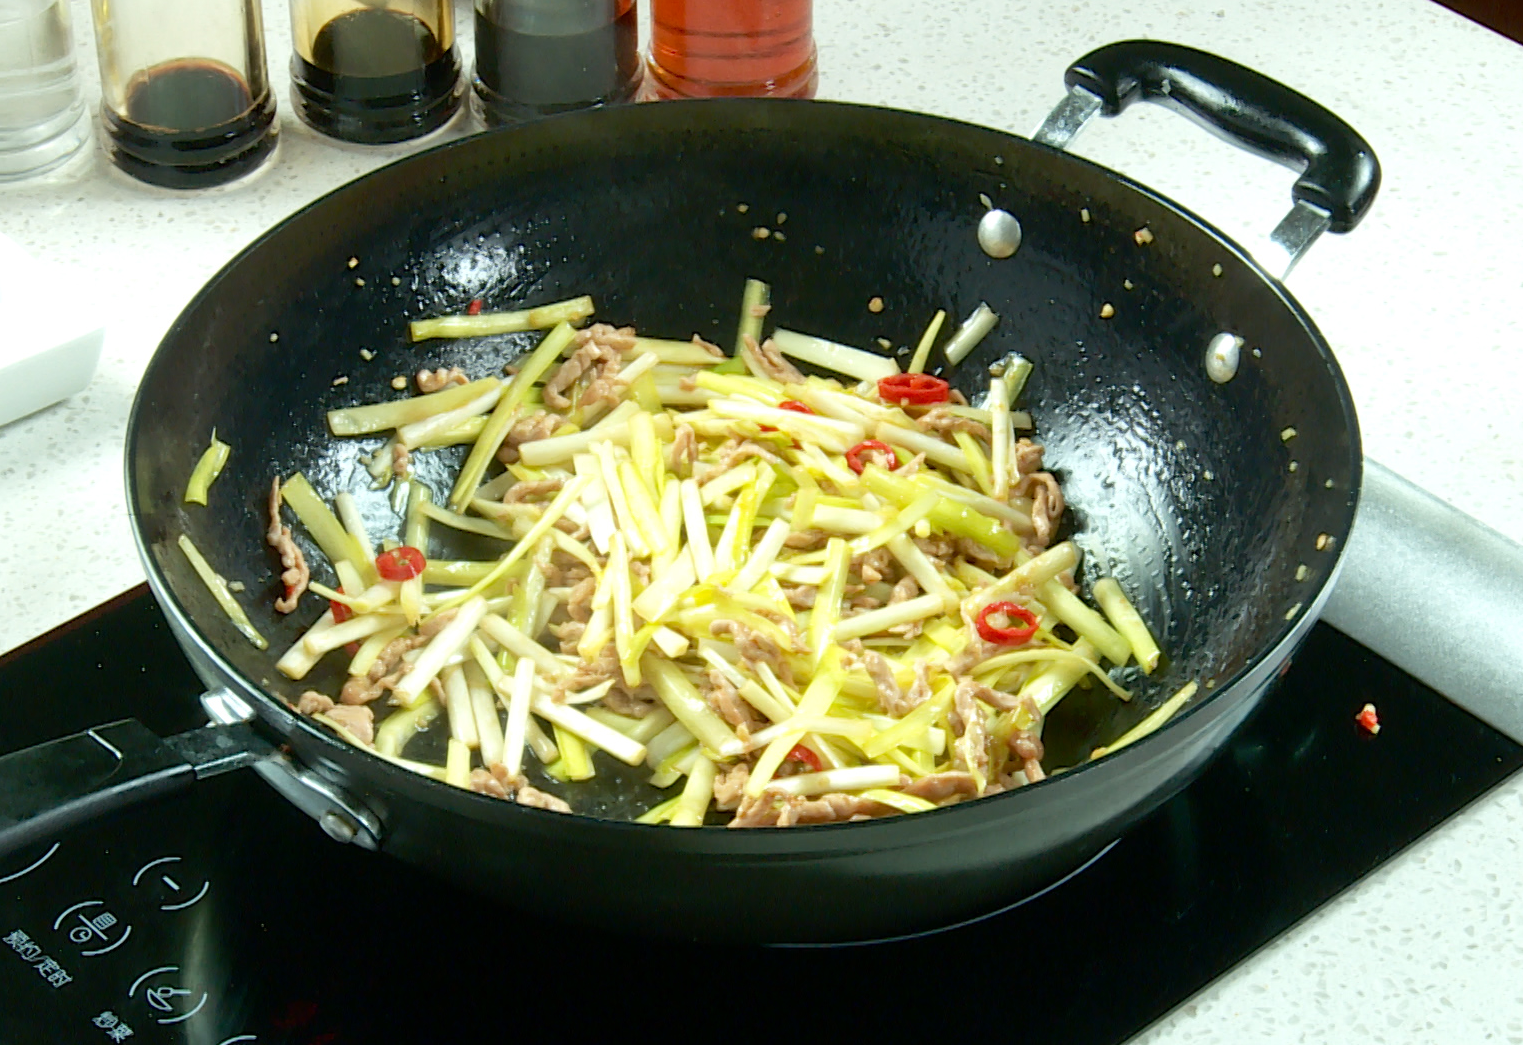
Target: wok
x=1180 y=486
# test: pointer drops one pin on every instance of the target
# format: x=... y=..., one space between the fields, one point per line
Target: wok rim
x=1283 y=643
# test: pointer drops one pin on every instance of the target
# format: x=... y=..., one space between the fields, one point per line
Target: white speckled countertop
x=1422 y=305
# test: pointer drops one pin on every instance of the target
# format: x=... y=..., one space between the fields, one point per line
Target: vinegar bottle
x=732 y=48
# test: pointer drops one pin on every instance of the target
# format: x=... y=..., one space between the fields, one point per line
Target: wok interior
x=1181 y=488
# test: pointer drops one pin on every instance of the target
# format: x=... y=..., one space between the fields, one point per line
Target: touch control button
x=168 y=885
x=170 y=1002
x=97 y=929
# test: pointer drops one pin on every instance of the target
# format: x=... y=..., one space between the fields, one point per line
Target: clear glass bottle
x=539 y=57
x=374 y=72
x=186 y=97
x=43 y=119
x=732 y=48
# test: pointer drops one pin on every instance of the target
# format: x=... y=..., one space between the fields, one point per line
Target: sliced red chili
x=341 y=612
x=795 y=406
x=474 y=308
x=1006 y=634
x=800 y=753
x=1368 y=719
x=400 y=564
x=855 y=456
x=916 y=389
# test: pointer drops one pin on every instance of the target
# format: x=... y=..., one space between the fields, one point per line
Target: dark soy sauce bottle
x=374 y=74
x=539 y=57
x=186 y=101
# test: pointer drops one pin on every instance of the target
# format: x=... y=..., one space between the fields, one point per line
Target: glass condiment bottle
x=43 y=118
x=732 y=48
x=186 y=97
x=539 y=57
x=376 y=72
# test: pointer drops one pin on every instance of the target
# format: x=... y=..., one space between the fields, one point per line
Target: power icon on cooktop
x=167 y=883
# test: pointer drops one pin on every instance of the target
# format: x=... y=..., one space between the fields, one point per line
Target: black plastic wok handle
x=1340 y=173
x=47 y=789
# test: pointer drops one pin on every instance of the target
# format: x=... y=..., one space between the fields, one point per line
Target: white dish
x=51 y=342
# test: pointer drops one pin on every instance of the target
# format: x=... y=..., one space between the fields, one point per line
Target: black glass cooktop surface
x=225 y=916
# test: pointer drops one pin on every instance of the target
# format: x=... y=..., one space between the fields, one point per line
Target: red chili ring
x=916 y=389
x=1006 y=636
x=800 y=753
x=795 y=406
x=400 y=564
x=854 y=455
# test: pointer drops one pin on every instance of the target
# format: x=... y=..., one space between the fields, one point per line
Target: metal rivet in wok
x=999 y=234
x=338 y=826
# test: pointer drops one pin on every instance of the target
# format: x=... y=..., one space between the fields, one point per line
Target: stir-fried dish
x=793 y=599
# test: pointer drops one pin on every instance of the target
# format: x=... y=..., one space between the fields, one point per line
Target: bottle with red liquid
x=732 y=48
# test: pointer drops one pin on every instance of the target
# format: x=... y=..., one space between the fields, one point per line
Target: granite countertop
x=1422 y=305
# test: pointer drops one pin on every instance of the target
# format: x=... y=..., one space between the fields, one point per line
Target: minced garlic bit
x=782 y=216
x=1301 y=572
x=760 y=232
x=780 y=237
x=741 y=208
x=1180 y=446
x=1206 y=475
x=1257 y=354
x=395 y=281
x=366 y=354
x=274 y=337
x=1126 y=284
x=1290 y=613
x=399 y=382
x=1143 y=236
x=1294 y=465
x=1287 y=434
x=999 y=161
x=1328 y=484
x=234 y=586
x=885 y=344
x=1084 y=214
x=358 y=281
x=1216 y=270
x=1107 y=310
x=342 y=379
x=875 y=305
x=354 y=263
x=1211 y=683
x=819 y=250
x=983 y=197
x=1323 y=540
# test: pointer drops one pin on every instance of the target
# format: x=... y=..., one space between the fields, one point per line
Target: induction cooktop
x=225 y=916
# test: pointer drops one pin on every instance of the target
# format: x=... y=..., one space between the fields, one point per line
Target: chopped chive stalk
x=218 y=587
x=392 y=735
x=755 y=300
x=379 y=417
x=457 y=764
x=1167 y=710
x=923 y=349
x=207 y=469
x=843 y=359
x=1085 y=622
x=694 y=801
x=542 y=318
x=1125 y=618
x=972 y=331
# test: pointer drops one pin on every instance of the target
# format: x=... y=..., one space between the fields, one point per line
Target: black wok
x=1182 y=487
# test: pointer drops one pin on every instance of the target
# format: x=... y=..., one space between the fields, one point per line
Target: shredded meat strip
x=709 y=347
x=940 y=419
x=636 y=705
x=769 y=359
x=358 y=720
x=938 y=787
x=726 y=700
x=579 y=600
x=312 y=702
x=770 y=810
x=684 y=449
x=496 y=782
x=980 y=555
x=388 y=668
x=599 y=352
x=1028 y=457
x=437 y=380
x=1028 y=748
x=891 y=698
x=806 y=540
x=801 y=596
x=735 y=451
x=294 y=573
x=539 y=425
x=969 y=750
x=754 y=647
x=529 y=490
x=873 y=566
x=401 y=460
x=1046 y=505
x=729 y=786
